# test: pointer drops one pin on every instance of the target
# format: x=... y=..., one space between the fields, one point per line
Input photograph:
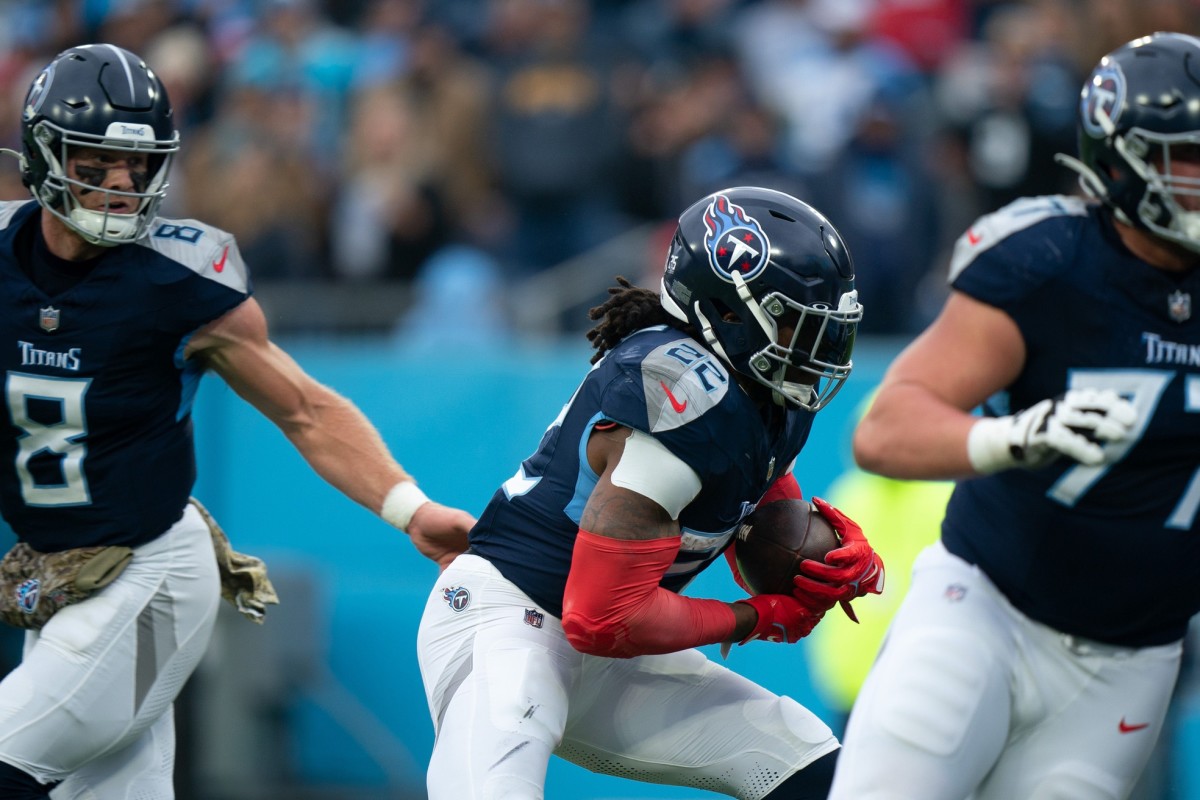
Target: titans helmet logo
x=1103 y=93
x=734 y=240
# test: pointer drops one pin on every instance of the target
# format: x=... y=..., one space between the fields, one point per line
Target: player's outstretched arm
x=918 y=424
x=328 y=430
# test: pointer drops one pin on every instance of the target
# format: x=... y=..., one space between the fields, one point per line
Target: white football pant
x=506 y=690
x=969 y=695
x=90 y=704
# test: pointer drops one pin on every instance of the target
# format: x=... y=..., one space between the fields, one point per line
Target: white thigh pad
x=650 y=469
x=934 y=698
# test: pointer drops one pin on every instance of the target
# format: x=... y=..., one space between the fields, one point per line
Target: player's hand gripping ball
x=775 y=539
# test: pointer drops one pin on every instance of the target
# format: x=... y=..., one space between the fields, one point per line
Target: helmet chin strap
x=710 y=336
x=19 y=156
x=743 y=289
x=1090 y=182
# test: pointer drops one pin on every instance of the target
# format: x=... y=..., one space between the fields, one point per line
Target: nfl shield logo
x=49 y=319
x=1179 y=305
x=534 y=618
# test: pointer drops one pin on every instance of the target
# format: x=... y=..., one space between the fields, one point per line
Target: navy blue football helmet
x=769 y=284
x=1138 y=110
x=97 y=96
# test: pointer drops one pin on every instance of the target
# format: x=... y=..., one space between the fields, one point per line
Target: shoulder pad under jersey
x=206 y=250
x=991 y=229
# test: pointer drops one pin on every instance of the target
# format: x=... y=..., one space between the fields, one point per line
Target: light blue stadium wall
x=461 y=422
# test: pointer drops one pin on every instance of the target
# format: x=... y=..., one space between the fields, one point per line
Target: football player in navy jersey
x=562 y=629
x=111 y=315
x=1035 y=653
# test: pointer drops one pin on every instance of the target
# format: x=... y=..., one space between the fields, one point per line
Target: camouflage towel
x=244 y=581
x=34 y=586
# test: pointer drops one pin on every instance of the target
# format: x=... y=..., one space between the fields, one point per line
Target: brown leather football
x=774 y=540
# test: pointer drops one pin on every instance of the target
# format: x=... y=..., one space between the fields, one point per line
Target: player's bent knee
x=931 y=702
x=16 y=784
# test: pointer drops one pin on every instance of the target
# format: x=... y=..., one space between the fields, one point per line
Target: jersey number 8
x=62 y=438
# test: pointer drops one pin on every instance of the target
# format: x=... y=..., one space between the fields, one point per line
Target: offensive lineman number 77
x=1143 y=388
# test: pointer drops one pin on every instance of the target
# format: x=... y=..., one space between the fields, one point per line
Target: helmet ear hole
x=725 y=313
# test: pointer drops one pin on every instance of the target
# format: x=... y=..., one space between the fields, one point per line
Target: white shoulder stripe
x=124 y=63
x=206 y=250
x=8 y=209
x=991 y=229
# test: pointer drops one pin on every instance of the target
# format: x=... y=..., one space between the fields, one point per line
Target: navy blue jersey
x=97 y=435
x=664 y=383
x=1109 y=553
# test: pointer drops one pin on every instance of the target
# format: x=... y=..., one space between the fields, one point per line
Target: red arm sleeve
x=613 y=605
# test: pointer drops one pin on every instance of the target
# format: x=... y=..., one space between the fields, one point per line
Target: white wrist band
x=988 y=445
x=401 y=503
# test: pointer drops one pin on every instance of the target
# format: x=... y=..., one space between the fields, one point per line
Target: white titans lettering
x=32 y=357
x=1159 y=351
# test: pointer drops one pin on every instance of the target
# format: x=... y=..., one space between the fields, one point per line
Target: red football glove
x=853 y=565
x=782 y=618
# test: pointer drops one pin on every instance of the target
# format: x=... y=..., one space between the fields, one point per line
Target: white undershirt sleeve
x=650 y=469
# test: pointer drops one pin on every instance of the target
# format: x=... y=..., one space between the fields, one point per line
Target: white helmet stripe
x=128 y=70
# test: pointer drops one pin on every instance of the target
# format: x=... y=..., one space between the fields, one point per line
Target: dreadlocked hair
x=628 y=308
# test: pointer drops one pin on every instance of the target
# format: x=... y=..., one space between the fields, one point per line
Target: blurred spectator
x=385 y=40
x=415 y=174
x=814 y=62
x=679 y=33
x=695 y=128
x=296 y=50
x=554 y=130
x=448 y=92
x=1011 y=98
x=352 y=139
x=390 y=215
x=928 y=31
x=180 y=57
x=879 y=193
x=250 y=173
x=133 y=24
x=1103 y=25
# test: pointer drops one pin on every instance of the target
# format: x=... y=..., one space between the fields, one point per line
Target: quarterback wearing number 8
x=1036 y=651
x=111 y=315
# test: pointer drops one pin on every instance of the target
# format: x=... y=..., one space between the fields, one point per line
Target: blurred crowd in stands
x=367 y=141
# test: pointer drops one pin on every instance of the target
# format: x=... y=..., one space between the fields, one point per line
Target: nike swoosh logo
x=1124 y=727
x=219 y=265
x=973 y=237
x=675 y=404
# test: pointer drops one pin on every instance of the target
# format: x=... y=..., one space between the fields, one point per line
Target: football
x=775 y=538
